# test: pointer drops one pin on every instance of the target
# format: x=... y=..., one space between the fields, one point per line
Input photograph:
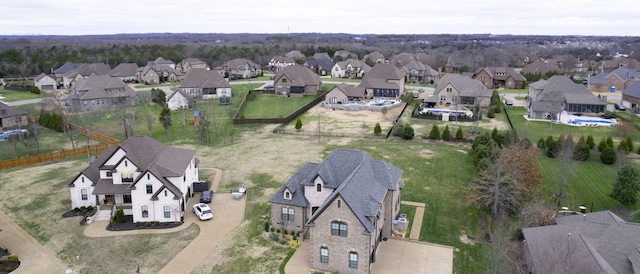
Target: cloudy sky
x=554 y=17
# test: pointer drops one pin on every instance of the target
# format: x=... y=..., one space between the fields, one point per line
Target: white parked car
x=203 y=211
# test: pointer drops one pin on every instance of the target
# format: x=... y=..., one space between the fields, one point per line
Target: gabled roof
x=68 y=66
x=350 y=91
x=600 y=242
x=355 y=64
x=9 y=111
x=560 y=88
x=464 y=85
x=162 y=61
x=540 y=67
x=600 y=79
x=501 y=73
x=633 y=90
x=296 y=54
x=343 y=53
x=203 y=78
x=384 y=71
x=239 y=63
x=98 y=86
x=629 y=63
x=625 y=74
x=41 y=76
x=374 y=56
x=124 y=70
x=93 y=69
x=359 y=179
x=193 y=61
x=299 y=76
x=283 y=59
x=425 y=69
x=321 y=55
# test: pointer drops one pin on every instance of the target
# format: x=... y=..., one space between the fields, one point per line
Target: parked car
x=235 y=77
x=203 y=211
x=620 y=107
x=416 y=95
x=508 y=102
x=206 y=196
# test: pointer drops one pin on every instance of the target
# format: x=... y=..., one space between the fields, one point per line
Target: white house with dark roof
x=548 y=98
x=45 y=82
x=149 y=180
x=350 y=68
x=344 y=206
x=597 y=242
x=101 y=92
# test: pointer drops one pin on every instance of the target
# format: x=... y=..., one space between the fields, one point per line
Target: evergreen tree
x=549 y=142
x=591 y=142
x=446 y=135
x=541 y=144
x=610 y=142
x=377 y=130
x=298 y=124
x=629 y=144
x=460 y=135
x=602 y=145
x=581 y=151
x=608 y=156
x=627 y=186
x=435 y=133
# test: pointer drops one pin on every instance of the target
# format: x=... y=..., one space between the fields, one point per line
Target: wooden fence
x=105 y=140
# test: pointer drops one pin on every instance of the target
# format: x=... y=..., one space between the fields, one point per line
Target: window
x=353 y=260
x=313 y=209
x=126 y=163
x=149 y=189
x=167 y=211
x=449 y=89
x=287 y=195
x=287 y=214
x=109 y=174
x=165 y=193
x=145 y=211
x=82 y=179
x=482 y=77
x=339 y=203
x=148 y=176
x=126 y=198
x=324 y=255
x=339 y=229
x=443 y=97
x=318 y=187
x=84 y=194
x=284 y=80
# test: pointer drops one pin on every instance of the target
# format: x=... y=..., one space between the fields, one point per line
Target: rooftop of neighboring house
x=354 y=63
x=68 y=66
x=463 y=84
x=540 y=67
x=360 y=180
x=239 y=63
x=633 y=90
x=350 y=91
x=501 y=73
x=9 y=111
x=626 y=74
x=193 y=61
x=162 y=61
x=299 y=76
x=283 y=59
x=426 y=69
x=560 y=88
x=89 y=69
x=321 y=63
x=385 y=71
x=124 y=70
x=203 y=78
x=40 y=76
x=295 y=54
x=597 y=242
x=343 y=54
x=321 y=55
x=96 y=86
x=374 y=57
x=609 y=65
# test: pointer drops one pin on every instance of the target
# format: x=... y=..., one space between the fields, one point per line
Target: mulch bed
x=130 y=225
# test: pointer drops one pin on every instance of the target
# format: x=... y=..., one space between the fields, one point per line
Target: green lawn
x=273 y=106
x=13 y=95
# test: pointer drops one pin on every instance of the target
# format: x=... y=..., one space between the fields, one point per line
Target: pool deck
x=565 y=118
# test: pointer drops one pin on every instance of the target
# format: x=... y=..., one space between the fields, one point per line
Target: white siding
x=76 y=192
x=177 y=101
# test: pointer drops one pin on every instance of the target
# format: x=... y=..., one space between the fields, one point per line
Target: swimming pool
x=446 y=111
x=594 y=122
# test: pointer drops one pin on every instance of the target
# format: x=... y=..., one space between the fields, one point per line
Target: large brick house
x=549 y=98
x=100 y=92
x=453 y=89
x=344 y=206
x=499 y=77
x=297 y=81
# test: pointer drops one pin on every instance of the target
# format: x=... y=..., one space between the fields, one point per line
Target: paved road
x=34 y=257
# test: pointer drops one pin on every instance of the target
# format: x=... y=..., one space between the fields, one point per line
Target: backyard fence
x=280 y=130
x=282 y=121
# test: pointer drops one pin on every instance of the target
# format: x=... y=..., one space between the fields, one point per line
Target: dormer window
x=319 y=187
x=287 y=195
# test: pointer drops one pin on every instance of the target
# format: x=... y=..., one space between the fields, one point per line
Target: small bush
x=435 y=133
x=266 y=226
x=278 y=230
x=491 y=113
x=282 y=242
x=285 y=232
x=608 y=156
x=13 y=257
x=294 y=237
x=459 y=134
x=274 y=237
x=120 y=216
x=272 y=229
x=377 y=130
x=446 y=135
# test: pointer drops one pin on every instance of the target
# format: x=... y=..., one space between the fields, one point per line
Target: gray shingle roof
x=350 y=91
x=502 y=73
x=124 y=70
x=68 y=66
x=361 y=180
x=560 y=88
x=540 y=67
x=42 y=75
x=633 y=90
x=98 y=86
x=600 y=79
x=464 y=85
x=355 y=64
x=203 y=78
x=240 y=63
x=384 y=71
x=299 y=75
x=599 y=242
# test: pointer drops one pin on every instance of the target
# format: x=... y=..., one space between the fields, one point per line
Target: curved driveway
x=227 y=214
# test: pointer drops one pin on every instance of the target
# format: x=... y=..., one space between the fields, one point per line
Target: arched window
x=318 y=187
x=324 y=254
x=339 y=229
x=353 y=260
x=287 y=195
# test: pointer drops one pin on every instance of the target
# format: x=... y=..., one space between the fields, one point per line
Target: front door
x=109 y=199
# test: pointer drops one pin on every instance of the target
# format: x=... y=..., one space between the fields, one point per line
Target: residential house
x=418 y=72
x=344 y=206
x=125 y=71
x=295 y=54
x=343 y=94
x=240 y=67
x=190 y=63
x=456 y=89
x=631 y=96
x=85 y=70
x=549 y=98
x=344 y=55
x=374 y=58
x=297 y=81
x=320 y=66
x=150 y=181
x=158 y=71
x=205 y=84
x=279 y=62
x=12 y=118
x=350 y=68
x=611 y=65
x=66 y=67
x=499 y=77
x=45 y=82
x=321 y=56
x=100 y=92
x=596 y=242
x=619 y=79
x=178 y=99
x=540 y=68
x=383 y=80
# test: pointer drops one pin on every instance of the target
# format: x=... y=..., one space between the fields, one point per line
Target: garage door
x=46 y=87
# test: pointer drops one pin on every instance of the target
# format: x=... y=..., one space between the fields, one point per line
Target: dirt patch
x=465 y=239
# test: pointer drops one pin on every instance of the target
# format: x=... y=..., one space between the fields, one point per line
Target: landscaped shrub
x=435 y=133
x=459 y=134
x=278 y=230
x=266 y=226
x=120 y=216
x=272 y=229
x=602 y=145
x=298 y=124
x=629 y=143
x=491 y=113
x=377 y=130
x=274 y=237
x=581 y=152
x=407 y=132
x=610 y=142
x=549 y=141
x=294 y=237
x=541 y=144
x=282 y=242
x=623 y=146
x=608 y=156
x=590 y=142
x=285 y=232
x=446 y=135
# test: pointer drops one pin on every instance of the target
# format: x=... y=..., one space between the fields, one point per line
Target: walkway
x=34 y=258
x=228 y=213
x=416 y=224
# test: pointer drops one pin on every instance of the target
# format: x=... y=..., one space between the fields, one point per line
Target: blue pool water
x=591 y=122
x=442 y=111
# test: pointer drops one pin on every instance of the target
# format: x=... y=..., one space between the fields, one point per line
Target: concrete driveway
x=34 y=258
x=406 y=256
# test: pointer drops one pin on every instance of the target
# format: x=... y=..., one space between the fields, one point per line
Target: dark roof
x=626 y=74
x=68 y=66
x=299 y=76
x=350 y=91
x=240 y=63
x=203 y=78
x=600 y=79
x=633 y=90
x=560 y=88
x=599 y=242
x=361 y=180
x=124 y=70
x=9 y=111
x=384 y=71
x=99 y=86
x=464 y=85
x=321 y=55
x=93 y=69
x=106 y=186
x=501 y=73
x=540 y=67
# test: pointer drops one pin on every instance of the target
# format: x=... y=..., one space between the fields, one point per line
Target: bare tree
x=147 y=101
x=128 y=118
x=57 y=104
x=89 y=123
x=565 y=153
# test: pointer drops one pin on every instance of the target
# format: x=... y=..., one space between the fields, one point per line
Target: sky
x=541 y=17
